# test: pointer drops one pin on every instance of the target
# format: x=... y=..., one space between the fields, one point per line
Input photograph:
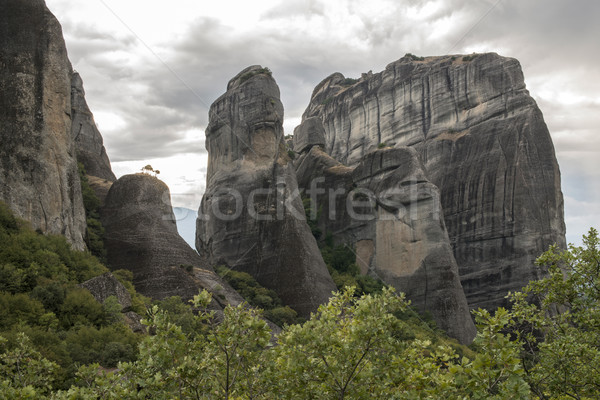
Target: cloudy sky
x=152 y=68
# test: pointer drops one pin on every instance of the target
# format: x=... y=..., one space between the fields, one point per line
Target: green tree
x=557 y=320
x=338 y=353
x=24 y=373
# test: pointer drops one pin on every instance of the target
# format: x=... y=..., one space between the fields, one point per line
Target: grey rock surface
x=88 y=140
x=484 y=144
x=309 y=133
x=38 y=167
x=251 y=218
x=387 y=210
x=141 y=236
x=106 y=285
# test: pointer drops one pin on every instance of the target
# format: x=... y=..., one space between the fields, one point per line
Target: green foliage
x=469 y=58
x=413 y=57
x=259 y=296
x=312 y=217
x=95 y=230
x=181 y=315
x=557 y=322
x=340 y=259
x=139 y=302
x=381 y=145
x=24 y=373
x=250 y=74
x=8 y=222
x=39 y=297
x=107 y=345
x=291 y=154
x=349 y=82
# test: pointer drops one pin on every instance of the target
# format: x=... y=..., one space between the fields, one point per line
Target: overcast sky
x=152 y=68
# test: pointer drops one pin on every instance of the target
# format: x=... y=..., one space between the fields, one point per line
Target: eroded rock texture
x=38 y=167
x=88 y=140
x=390 y=213
x=251 y=218
x=106 y=285
x=484 y=144
x=141 y=236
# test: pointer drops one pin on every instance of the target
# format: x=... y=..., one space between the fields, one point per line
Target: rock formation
x=390 y=213
x=38 y=166
x=88 y=141
x=141 y=236
x=484 y=144
x=106 y=285
x=251 y=217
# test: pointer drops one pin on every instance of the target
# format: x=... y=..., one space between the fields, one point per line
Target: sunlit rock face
x=251 y=217
x=482 y=141
x=38 y=167
x=388 y=211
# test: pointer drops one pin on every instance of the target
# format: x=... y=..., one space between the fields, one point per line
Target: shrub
x=349 y=82
x=413 y=57
x=250 y=74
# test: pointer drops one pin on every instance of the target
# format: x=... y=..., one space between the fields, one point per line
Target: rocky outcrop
x=251 y=217
x=141 y=236
x=38 y=167
x=106 y=285
x=484 y=144
x=88 y=141
x=388 y=211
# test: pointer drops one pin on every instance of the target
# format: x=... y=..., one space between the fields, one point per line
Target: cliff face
x=484 y=144
x=251 y=218
x=390 y=213
x=88 y=140
x=141 y=236
x=38 y=167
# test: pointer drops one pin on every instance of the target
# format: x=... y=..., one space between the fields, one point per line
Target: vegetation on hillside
x=259 y=297
x=95 y=230
x=45 y=313
x=340 y=259
x=354 y=347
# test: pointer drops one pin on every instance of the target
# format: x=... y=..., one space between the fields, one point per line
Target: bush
x=259 y=296
x=349 y=82
x=250 y=74
x=413 y=57
x=95 y=230
x=81 y=308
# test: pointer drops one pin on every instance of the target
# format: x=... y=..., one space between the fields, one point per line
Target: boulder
x=141 y=236
x=106 y=285
x=309 y=133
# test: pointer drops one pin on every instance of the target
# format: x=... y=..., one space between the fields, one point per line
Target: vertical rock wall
x=251 y=217
x=38 y=167
x=484 y=144
x=88 y=140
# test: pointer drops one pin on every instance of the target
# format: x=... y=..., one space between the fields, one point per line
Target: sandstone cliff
x=141 y=236
x=38 y=166
x=88 y=141
x=251 y=218
x=484 y=144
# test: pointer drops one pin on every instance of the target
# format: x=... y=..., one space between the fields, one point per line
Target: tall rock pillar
x=251 y=217
x=38 y=167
